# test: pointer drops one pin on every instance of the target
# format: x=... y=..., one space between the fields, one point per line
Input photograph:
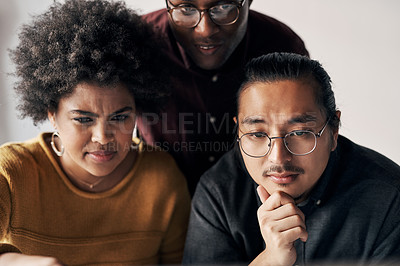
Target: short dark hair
x=288 y=66
x=93 y=41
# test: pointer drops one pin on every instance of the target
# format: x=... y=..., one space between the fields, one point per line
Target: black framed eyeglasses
x=297 y=142
x=188 y=16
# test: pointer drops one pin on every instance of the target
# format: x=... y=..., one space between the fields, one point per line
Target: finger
x=288 y=223
x=287 y=210
x=276 y=200
x=262 y=193
x=295 y=233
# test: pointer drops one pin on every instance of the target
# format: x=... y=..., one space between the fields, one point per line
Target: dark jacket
x=352 y=214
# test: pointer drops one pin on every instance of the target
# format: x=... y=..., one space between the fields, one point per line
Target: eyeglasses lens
x=300 y=142
x=190 y=16
x=297 y=142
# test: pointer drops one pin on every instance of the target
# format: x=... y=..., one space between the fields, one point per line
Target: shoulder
x=14 y=153
x=225 y=194
x=160 y=181
x=160 y=167
x=155 y=15
x=158 y=19
x=227 y=177
x=19 y=158
x=263 y=21
x=276 y=36
x=224 y=169
x=368 y=165
x=156 y=156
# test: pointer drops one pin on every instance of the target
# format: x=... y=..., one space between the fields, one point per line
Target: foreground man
x=292 y=190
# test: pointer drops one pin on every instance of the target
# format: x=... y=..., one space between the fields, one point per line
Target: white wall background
x=357 y=41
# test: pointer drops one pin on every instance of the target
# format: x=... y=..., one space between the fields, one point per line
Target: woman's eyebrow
x=122 y=110
x=85 y=113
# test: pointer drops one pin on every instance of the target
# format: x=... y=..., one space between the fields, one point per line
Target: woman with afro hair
x=89 y=193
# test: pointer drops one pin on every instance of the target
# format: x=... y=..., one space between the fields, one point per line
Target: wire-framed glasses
x=297 y=142
x=188 y=16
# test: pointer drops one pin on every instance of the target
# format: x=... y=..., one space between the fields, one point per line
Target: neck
x=96 y=184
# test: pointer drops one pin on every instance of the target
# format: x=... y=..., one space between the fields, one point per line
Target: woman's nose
x=102 y=134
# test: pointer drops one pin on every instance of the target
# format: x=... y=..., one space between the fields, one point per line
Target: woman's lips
x=283 y=178
x=102 y=156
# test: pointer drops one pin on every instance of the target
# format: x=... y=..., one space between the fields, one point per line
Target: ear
x=335 y=133
x=235 y=120
x=52 y=118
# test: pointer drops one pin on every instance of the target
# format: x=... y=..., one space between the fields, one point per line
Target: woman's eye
x=83 y=120
x=119 y=118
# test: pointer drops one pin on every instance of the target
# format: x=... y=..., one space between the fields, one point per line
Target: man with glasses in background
x=207 y=43
x=292 y=191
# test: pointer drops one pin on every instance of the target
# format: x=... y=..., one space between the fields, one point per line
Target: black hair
x=288 y=66
x=93 y=41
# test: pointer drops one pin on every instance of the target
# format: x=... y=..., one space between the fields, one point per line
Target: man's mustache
x=283 y=168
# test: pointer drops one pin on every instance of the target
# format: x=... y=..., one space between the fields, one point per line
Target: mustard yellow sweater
x=142 y=220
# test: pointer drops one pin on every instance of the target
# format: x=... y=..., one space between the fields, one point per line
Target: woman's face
x=95 y=125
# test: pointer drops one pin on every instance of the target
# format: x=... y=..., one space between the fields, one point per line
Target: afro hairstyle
x=95 y=41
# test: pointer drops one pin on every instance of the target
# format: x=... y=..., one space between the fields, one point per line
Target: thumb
x=262 y=193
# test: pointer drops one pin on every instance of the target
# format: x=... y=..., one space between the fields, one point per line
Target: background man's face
x=277 y=108
x=208 y=44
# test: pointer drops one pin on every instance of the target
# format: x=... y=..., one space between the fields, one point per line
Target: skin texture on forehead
x=285 y=102
x=209 y=45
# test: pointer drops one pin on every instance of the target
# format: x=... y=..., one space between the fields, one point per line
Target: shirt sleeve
x=174 y=240
x=209 y=239
x=5 y=214
x=387 y=246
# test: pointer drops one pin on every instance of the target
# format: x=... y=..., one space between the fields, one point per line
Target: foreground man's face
x=278 y=108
